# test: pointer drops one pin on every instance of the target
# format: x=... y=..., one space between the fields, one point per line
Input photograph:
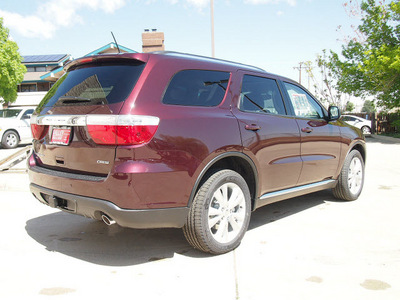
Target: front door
x=320 y=139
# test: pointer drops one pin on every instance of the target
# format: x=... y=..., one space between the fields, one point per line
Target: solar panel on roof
x=43 y=58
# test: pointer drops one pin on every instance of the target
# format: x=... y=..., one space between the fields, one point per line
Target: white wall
x=28 y=99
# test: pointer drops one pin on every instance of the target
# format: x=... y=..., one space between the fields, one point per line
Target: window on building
x=28 y=88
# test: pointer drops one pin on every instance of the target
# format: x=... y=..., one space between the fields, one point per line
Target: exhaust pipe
x=106 y=219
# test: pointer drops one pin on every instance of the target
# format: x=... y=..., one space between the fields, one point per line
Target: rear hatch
x=74 y=125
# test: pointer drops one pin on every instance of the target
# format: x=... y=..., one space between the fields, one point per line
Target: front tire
x=351 y=178
x=10 y=139
x=220 y=213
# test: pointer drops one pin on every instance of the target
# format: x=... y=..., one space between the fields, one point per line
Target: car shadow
x=282 y=209
x=94 y=242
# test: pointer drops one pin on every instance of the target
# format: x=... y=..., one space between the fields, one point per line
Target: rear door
x=269 y=135
x=320 y=139
x=24 y=129
x=78 y=109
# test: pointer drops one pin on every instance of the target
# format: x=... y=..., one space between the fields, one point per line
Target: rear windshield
x=197 y=88
x=94 y=84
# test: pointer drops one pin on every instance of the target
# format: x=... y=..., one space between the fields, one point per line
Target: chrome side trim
x=59 y=120
x=272 y=197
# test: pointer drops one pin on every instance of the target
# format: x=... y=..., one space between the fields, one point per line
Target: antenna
x=119 y=51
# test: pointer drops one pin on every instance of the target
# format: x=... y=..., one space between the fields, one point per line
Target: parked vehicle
x=15 y=126
x=364 y=124
x=174 y=140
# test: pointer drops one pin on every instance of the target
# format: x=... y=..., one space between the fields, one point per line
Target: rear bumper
x=95 y=208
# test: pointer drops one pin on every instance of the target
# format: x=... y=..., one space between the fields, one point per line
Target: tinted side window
x=197 y=88
x=261 y=94
x=28 y=113
x=303 y=104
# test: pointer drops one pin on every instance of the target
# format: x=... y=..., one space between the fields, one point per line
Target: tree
x=11 y=69
x=349 y=106
x=371 y=66
x=324 y=82
x=368 y=107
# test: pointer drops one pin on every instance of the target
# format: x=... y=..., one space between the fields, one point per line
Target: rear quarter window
x=196 y=88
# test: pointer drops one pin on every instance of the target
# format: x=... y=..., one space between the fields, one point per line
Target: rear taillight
x=121 y=130
x=38 y=131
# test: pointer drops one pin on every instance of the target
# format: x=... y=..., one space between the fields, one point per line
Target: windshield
x=94 y=84
x=9 y=113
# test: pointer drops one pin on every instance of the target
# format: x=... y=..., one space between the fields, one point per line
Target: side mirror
x=333 y=113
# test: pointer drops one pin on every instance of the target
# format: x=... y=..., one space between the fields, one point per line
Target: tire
x=351 y=178
x=366 y=130
x=220 y=213
x=10 y=139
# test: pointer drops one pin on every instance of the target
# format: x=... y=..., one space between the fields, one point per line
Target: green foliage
x=11 y=69
x=372 y=67
x=324 y=83
x=368 y=107
x=350 y=106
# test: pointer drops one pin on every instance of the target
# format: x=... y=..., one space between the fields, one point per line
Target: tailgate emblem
x=103 y=162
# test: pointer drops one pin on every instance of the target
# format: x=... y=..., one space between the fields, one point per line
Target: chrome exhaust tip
x=106 y=219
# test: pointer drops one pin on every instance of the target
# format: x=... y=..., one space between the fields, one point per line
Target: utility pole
x=212 y=28
x=300 y=67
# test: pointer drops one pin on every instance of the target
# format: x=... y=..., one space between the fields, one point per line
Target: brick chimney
x=152 y=41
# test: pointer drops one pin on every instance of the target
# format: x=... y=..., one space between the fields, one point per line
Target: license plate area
x=61 y=135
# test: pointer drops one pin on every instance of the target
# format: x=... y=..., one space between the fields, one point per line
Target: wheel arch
x=360 y=147
x=12 y=130
x=235 y=161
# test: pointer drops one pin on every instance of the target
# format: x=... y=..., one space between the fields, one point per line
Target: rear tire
x=220 y=213
x=10 y=139
x=366 y=130
x=351 y=178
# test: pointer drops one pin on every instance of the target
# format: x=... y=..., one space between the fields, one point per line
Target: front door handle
x=306 y=130
x=252 y=127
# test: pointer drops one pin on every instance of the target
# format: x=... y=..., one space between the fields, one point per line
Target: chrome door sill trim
x=294 y=192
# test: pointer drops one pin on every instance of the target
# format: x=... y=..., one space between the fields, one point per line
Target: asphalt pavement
x=309 y=247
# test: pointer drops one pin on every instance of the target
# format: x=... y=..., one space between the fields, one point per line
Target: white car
x=15 y=126
x=364 y=124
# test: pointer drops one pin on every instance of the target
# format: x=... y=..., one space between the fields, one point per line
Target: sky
x=275 y=35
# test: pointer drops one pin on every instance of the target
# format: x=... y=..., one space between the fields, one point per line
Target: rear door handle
x=306 y=130
x=252 y=127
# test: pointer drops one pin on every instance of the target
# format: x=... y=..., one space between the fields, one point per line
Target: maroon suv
x=175 y=140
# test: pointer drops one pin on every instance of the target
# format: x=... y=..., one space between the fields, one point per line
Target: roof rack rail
x=205 y=57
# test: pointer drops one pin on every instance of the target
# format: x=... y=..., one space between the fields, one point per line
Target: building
x=44 y=70
x=34 y=87
x=152 y=41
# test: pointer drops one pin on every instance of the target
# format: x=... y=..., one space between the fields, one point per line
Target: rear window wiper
x=220 y=83
x=73 y=99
